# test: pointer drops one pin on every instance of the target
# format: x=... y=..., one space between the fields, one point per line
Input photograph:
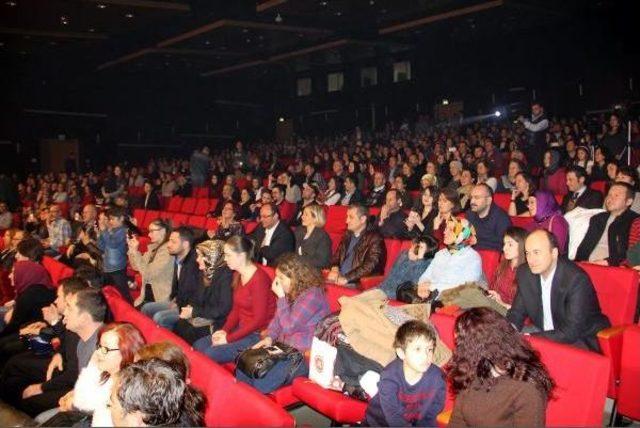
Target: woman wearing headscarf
x=215 y=298
x=554 y=177
x=454 y=265
x=34 y=291
x=547 y=215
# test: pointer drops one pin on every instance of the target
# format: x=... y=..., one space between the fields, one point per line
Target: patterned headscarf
x=213 y=253
x=464 y=232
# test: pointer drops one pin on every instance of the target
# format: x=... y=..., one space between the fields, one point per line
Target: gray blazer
x=316 y=249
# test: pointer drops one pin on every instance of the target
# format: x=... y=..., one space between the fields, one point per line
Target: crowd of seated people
x=438 y=188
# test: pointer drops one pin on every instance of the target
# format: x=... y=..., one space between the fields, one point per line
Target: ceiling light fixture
x=11 y=4
x=278 y=18
x=102 y=6
x=128 y=15
x=207 y=42
x=64 y=20
x=92 y=30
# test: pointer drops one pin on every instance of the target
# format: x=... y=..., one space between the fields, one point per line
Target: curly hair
x=303 y=276
x=484 y=341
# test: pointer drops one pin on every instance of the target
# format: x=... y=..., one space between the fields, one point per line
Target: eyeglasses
x=155 y=229
x=104 y=350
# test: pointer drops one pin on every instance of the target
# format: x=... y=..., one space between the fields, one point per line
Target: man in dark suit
x=391 y=219
x=557 y=296
x=579 y=194
x=377 y=193
x=272 y=237
x=607 y=237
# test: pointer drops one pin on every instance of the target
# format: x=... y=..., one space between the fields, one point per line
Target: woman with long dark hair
x=496 y=375
x=503 y=285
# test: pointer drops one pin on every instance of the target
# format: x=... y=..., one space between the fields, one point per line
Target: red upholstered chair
x=521 y=221
x=188 y=205
x=490 y=261
x=336 y=219
x=213 y=204
x=503 y=200
x=175 y=204
x=211 y=224
x=629 y=391
x=249 y=226
x=600 y=186
x=150 y=216
x=198 y=221
x=144 y=243
x=201 y=192
x=335 y=241
x=617 y=290
x=178 y=219
x=139 y=215
x=338 y=407
x=374 y=211
x=202 y=206
x=55 y=268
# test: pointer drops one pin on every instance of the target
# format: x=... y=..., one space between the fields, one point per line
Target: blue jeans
x=403 y=270
x=228 y=352
x=281 y=374
x=162 y=313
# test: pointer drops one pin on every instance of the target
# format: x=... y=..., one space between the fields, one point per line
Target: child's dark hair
x=411 y=330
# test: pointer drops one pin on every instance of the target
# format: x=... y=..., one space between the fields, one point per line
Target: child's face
x=418 y=355
x=115 y=222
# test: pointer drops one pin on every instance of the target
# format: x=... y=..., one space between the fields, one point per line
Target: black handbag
x=407 y=292
x=256 y=363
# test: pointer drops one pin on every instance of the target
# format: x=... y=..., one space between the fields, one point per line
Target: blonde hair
x=317 y=212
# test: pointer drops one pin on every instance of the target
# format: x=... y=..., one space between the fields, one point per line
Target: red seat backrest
x=581 y=379
x=213 y=204
x=175 y=204
x=502 y=200
x=444 y=324
x=55 y=269
x=335 y=241
x=200 y=192
x=374 y=211
x=249 y=226
x=198 y=221
x=188 y=205
x=334 y=292
x=629 y=392
x=211 y=224
x=178 y=219
x=150 y=216
x=490 y=261
x=600 y=186
x=139 y=215
x=617 y=290
x=393 y=250
x=202 y=207
x=521 y=221
x=336 y=219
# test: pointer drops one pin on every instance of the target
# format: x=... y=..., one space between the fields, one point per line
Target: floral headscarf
x=464 y=232
x=213 y=254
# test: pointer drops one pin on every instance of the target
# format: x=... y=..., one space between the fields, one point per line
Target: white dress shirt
x=545 y=292
x=268 y=234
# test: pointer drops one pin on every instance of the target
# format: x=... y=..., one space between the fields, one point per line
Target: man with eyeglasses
x=272 y=237
x=489 y=220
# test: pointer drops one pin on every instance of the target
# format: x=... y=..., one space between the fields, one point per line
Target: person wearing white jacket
x=118 y=343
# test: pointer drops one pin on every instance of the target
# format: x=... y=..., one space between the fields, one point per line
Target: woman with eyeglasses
x=117 y=345
x=155 y=266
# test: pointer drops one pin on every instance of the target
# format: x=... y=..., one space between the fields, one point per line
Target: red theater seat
x=336 y=218
x=335 y=405
x=178 y=219
x=150 y=216
x=249 y=226
x=200 y=192
x=198 y=221
x=175 y=204
x=188 y=205
x=521 y=221
x=600 y=186
x=393 y=248
x=503 y=200
x=57 y=271
x=490 y=262
x=202 y=206
x=629 y=392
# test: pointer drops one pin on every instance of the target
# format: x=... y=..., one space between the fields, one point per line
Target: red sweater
x=253 y=307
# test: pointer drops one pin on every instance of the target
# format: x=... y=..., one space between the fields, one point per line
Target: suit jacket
x=282 y=241
x=618 y=237
x=185 y=289
x=316 y=249
x=394 y=226
x=576 y=313
x=369 y=255
x=589 y=199
x=153 y=203
x=356 y=198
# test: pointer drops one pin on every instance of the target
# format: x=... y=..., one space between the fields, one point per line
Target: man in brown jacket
x=361 y=251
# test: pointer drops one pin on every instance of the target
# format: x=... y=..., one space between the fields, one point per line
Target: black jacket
x=576 y=313
x=618 y=237
x=393 y=226
x=282 y=241
x=376 y=197
x=589 y=199
x=214 y=301
x=153 y=203
x=28 y=307
x=185 y=290
x=316 y=249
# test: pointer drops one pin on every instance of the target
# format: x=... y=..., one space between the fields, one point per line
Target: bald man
x=557 y=295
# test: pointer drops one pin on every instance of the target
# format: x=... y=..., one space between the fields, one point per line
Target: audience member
x=210 y=309
x=503 y=284
x=448 y=207
x=150 y=200
x=112 y=241
x=155 y=265
x=301 y=304
x=524 y=188
x=352 y=194
x=546 y=214
x=556 y=295
x=496 y=375
x=421 y=217
x=313 y=243
x=228 y=225
x=6 y=218
x=361 y=251
x=335 y=189
x=59 y=232
x=391 y=220
x=253 y=305
x=272 y=237
x=579 y=194
x=376 y=195
x=607 y=237
x=488 y=220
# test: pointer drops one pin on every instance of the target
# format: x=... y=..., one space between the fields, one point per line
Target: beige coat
x=158 y=273
x=371 y=333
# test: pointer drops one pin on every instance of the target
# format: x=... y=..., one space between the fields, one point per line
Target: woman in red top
x=504 y=285
x=253 y=305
